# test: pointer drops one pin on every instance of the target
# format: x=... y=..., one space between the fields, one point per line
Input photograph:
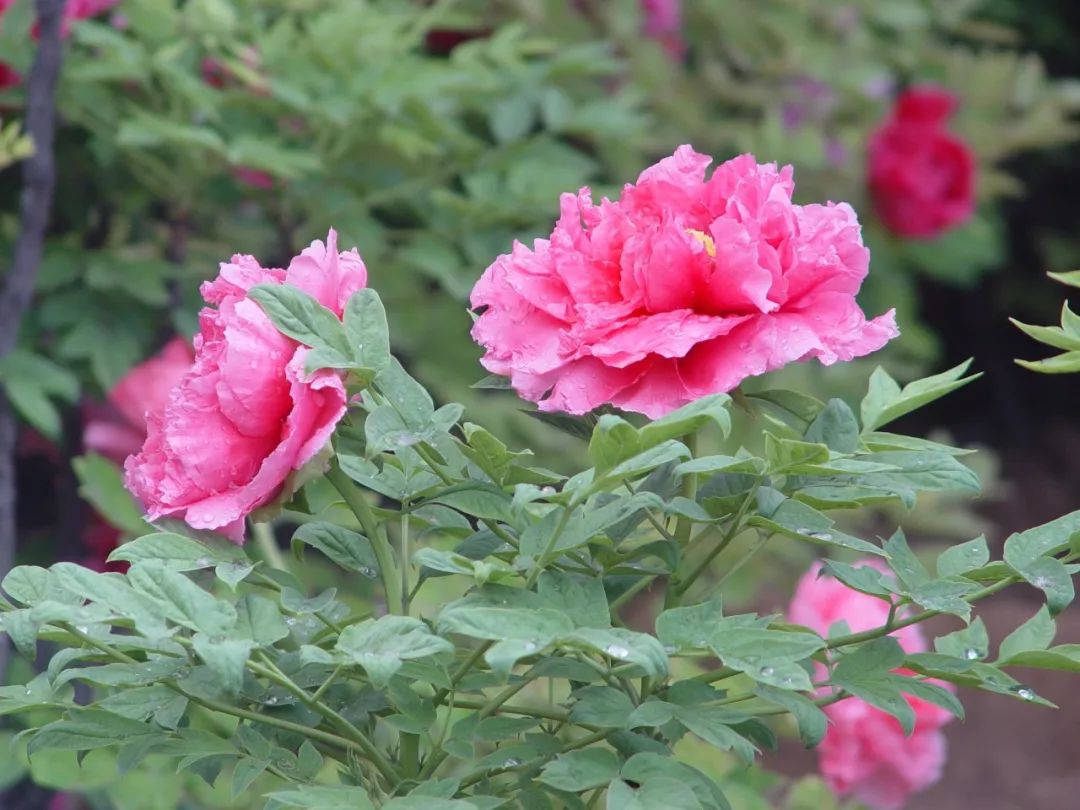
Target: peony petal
x=145 y=388
x=587 y=383
x=669 y=334
x=326 y=275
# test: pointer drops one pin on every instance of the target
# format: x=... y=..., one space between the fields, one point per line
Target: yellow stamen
x=706 y=240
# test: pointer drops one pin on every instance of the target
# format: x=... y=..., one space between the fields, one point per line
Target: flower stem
x=384 y=554
x=268 y=546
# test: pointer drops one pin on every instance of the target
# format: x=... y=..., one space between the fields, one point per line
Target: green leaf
x=886 y=401
x=581 y=598
x=348 y=549
x=646 y=767
x=28 y=584
x=862 y=578
x=810 y=718
x=297 y=315
x=1064 y=657
x=182 y=600
x=321 y=797
x=903 y=562
x=1025 y=547
x=767 y=656
x=381 y=645
x=101 y=484
x=246 y=771
x=581 y=770
x=963 y=557
x=88 y=729
x=613 y=440
x=479 y=501
x=802 y=522
x=226 y=658
x=258 y=619
x=658 y=794
x=624 y=646
x=786 y=455
x=690 y=418
x=367 y=331
x=714 y=724
x=865 y=673
x=836 y=427
x=1033 y=635
x=968 y=644
x=178 y=552
x=113 y=592
x=601 y=706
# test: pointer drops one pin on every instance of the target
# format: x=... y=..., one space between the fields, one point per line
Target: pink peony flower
x=921 y=176
x=247 y=414
x=865 y=752
x=118 y=430
x=663 y=22
x=683 y=287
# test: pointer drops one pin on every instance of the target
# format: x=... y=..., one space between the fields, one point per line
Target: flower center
x=706 y=240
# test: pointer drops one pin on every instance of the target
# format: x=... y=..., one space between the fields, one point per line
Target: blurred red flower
x=921 y=176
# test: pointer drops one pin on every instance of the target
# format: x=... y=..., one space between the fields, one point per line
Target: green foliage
x=1065 y=337
x=499 y=667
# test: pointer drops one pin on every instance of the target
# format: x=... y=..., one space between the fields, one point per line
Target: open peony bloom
x=247 y=414
x=119 y=430
x=684 y=286
x=922 y=177
x=865 y=752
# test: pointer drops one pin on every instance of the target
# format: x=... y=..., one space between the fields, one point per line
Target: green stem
x=384 y=555
x=581 y=742
x=683 y=584
x=326 y=684
x=684 y=525
x=538 y=563
x=406 y=593
x=213 y=705
x=462 y=671
x=410 y=754
x=632 y=591
x=490 y=707
x=268 y=546
x=371 y=752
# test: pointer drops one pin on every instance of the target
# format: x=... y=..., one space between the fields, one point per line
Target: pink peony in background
x=684 y=286
x=247 y=414
x=119 y=429
x=73 y=10
x=922 y=177
x=663 y=22
x=865 y=752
